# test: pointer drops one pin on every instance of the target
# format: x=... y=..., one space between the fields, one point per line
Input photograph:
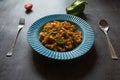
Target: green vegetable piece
x=51 y=33
x=59 y=41
x=73 y=36
x=76 y=7
x=44 y=30
x=65 y=35
x=62 y=23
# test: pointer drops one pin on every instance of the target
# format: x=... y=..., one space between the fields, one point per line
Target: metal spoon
x=105 y=27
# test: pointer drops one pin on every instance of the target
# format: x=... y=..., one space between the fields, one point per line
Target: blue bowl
x=81 y=49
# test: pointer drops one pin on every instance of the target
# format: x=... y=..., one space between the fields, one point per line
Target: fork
x=20 y=26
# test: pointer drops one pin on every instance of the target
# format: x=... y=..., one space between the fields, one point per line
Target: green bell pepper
x=76 y=7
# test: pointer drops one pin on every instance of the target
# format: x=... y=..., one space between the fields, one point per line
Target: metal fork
x=20 y=26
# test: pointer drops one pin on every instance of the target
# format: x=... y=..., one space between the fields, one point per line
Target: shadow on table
x=83 y=16
x=28 y=11
x=65 y=70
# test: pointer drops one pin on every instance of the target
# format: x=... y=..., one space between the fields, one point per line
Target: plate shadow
x=72 y=69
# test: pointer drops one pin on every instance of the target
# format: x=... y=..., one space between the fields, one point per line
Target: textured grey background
x=26 y=64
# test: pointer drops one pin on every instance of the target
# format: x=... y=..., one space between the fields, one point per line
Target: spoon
x=105 y=27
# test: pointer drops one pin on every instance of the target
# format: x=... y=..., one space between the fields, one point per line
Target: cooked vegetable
x=65 y=35
x=76 y=7
x=59 y=41
x=50 y=33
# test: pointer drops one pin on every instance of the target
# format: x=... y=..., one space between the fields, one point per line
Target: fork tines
x=22 y=21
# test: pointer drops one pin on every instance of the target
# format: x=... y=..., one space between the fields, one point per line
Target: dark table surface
x=26 y=64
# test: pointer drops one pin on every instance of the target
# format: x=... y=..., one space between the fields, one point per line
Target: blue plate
x=83 y=48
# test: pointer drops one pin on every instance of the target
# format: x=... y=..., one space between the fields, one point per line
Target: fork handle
x=112 y=51
x=9 y=54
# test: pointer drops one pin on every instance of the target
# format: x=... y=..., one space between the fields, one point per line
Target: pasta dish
x=60 y=36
